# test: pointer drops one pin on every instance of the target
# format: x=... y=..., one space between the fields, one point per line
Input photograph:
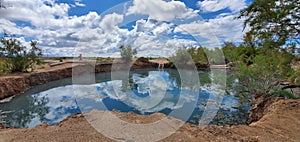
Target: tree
x=181 y=56
x=198 y=54
x=266 y=53
x=228 y=50
x=127 y=52
x=264 y=75
x=215 y=56
x=16 y=57
x=273 y=23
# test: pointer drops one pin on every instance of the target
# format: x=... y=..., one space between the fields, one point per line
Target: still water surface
x=146 y=91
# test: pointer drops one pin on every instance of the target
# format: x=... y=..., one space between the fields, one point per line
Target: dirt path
x=281 y=123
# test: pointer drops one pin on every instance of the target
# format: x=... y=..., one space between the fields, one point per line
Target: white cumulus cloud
x=216 y=5
x=215 y=31
x=162 y=10
x=110 y=21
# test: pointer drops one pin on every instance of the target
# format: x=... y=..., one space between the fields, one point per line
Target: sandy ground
x=42 y=68
x=281 y=123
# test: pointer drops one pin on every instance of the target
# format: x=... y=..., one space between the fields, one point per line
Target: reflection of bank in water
x=160 y=61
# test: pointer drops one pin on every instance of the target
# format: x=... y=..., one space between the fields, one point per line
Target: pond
x=145 y=91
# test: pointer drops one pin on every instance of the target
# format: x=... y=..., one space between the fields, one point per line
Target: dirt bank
x=16 y=83
x=280 y=123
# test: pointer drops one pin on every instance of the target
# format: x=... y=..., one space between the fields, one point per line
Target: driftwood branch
x=290 y=86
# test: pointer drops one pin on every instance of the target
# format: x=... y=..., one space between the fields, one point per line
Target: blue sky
x=99 y=27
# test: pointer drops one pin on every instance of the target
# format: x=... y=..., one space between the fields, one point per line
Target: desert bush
x=127 y=52
x=18 y=58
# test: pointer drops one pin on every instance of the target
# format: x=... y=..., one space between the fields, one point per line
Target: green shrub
x=295 y=77
x=18 y=58
x=3 y=68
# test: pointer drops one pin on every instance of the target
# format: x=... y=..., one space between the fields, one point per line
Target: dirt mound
x=143 y=63
x=279 y=123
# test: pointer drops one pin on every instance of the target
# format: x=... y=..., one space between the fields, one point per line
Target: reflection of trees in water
x=127 y=82
x=40 y=107
x=2 y=116
x=25 y=110
x=190 y=79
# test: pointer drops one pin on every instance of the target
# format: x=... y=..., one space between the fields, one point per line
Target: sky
x=99 y=27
